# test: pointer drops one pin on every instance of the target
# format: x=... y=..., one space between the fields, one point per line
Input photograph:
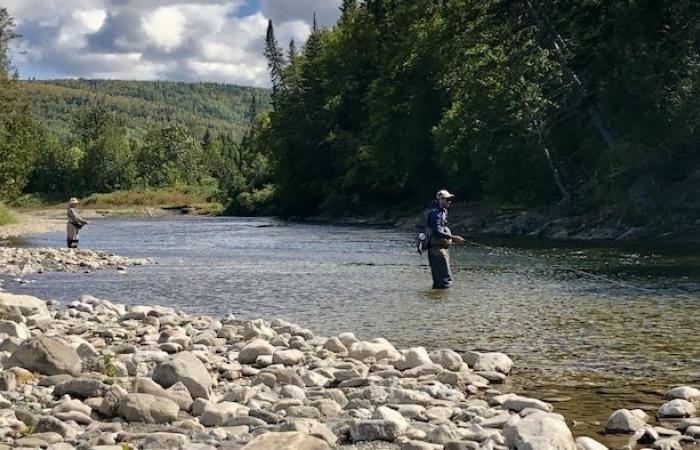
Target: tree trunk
x=566 y=196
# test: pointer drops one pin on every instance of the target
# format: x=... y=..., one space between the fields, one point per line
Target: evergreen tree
x=275 y=60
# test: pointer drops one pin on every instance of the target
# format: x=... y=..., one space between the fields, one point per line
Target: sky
x=181 y=40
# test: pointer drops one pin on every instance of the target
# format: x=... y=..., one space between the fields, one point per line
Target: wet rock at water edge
x=687 y=393
x=586 y=443
x=538 y=431
x=489 y=362
x=676 y=409
x=626 y=421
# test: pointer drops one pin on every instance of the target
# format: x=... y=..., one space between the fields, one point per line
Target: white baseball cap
x=73 y=201
x=443 y=193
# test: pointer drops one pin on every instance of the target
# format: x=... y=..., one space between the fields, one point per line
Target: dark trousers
x=439 y=259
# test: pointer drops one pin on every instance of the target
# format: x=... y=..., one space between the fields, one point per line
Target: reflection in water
x=592 y=327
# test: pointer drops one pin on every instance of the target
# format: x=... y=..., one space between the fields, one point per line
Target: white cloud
x=165 y=27
x=200 y=40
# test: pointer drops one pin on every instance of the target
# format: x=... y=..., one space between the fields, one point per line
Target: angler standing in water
x=75 y=223
x=439 y=240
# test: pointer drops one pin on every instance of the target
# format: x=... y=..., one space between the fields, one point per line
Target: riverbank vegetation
x=6 y=217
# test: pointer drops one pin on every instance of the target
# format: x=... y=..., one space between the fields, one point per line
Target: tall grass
x=6 y=217
x=141 y=198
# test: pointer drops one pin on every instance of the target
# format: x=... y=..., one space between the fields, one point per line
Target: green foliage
x=108 y=367
x=108 y=160
x=532 y=103
x=149 y=197
x=169 y=156
x=18 y=142
x=6 y=217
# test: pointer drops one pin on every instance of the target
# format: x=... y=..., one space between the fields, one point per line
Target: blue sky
x=183 y=40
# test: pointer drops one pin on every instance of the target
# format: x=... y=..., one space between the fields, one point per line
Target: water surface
x=594 y=327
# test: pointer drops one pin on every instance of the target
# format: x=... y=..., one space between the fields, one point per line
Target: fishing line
x=573 y=269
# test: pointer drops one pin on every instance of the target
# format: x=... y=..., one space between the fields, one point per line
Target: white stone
x=253 y=349
x=626 y=421
x=494 y=361
x=288 y=357
x=676 y=409
x=217 y=414
x=539 y=431
x=586 y=443
x=412 y=358
x=447 y=358
x=385 y=413
x=684 y=393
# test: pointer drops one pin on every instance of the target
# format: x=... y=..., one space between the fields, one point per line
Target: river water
x=592 y=327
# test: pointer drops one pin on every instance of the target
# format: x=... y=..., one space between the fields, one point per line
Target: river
x=591 y=327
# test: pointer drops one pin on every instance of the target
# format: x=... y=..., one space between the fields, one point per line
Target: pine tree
x=293 y=52
x=275 y=60
x=7 y=34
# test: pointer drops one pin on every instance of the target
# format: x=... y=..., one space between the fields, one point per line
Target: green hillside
x=139 y=105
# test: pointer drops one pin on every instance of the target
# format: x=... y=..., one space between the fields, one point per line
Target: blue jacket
x=437 y=222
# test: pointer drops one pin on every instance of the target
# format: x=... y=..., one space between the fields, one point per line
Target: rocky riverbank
x=98 y=375
x=553 y=224
x=23 y=261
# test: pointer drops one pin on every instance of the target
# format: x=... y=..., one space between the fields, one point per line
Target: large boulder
x=626 y=421
x=186 y=368
x=385 y=413
x=47 y=356
x=178 y=392
x=147 y=408
x=517 y=403
x=14 y=329
x=449 y=359
x=290 y=440
x=217 y=414
x=288 y=357
x=375 y=430
x=27 y=304
x=80 y=388
x=539 y=431
x=376 y=348
x=412 y=358
x=676 y=409
x=489 y=362
x=257 y=347
x=684 y=393
x=310 y=426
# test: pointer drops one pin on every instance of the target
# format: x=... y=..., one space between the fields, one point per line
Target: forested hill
x=140 y=105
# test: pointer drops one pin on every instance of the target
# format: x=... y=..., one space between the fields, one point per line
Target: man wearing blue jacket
x=440 y=238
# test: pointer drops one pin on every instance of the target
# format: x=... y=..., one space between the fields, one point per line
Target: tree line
x=77 y=137
x=536 y=103
x=533 y=103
